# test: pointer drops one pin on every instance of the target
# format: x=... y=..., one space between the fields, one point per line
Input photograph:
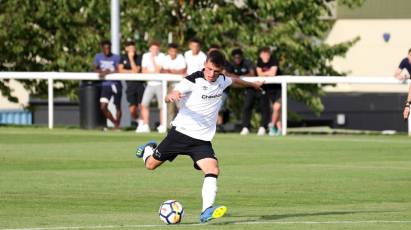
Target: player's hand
x=174 y=96
x=406 y=112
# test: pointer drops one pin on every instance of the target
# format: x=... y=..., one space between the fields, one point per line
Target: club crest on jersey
x=205 y=88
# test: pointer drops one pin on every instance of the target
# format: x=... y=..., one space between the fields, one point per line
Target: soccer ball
x=171 y=212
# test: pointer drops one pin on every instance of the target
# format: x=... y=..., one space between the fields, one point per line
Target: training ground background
x=73 y=179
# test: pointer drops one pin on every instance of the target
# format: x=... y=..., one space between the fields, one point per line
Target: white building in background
x=385 y=38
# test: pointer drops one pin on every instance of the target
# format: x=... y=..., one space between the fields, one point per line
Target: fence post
x=164 y=107
x=51 y=104
x=284 y=107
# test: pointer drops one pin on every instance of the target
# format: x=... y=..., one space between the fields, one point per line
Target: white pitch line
x=216 y=224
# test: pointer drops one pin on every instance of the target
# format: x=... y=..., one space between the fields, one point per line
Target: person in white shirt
x=174 y=62
x=152 y=62
x=195 y=58
x=194 y=127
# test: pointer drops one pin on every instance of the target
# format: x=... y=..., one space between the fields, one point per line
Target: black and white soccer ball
x=171 y=212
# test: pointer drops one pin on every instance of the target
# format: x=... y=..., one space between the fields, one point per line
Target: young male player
x=194 y=127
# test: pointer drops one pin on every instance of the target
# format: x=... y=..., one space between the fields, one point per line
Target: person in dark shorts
x=130 y=62
x=267 y=65
x=194 y=127
x=105 y=63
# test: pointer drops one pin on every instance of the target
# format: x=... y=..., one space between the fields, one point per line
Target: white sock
x=148 y=151
x=209 y=191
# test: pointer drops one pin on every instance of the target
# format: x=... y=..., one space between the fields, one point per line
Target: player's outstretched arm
x=173 y=96
x=237 y=82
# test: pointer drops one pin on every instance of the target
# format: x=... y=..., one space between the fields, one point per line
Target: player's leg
x=153 y=155
x=209 y=166
x=146 y=152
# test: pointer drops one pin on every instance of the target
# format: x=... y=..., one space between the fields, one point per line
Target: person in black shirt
x=131 y=63
x=267 y=66
x=404 y=69
x=241 y=66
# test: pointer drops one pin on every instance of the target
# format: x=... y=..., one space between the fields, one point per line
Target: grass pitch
x=72 y=179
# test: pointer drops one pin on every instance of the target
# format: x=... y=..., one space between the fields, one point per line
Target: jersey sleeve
x=227 y=82
x=184 y=86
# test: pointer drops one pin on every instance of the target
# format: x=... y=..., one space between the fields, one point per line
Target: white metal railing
x=165 y=78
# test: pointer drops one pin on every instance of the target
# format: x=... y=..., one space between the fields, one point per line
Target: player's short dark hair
x=265 y=49
x=195 y=40
x=217 y=58
x=173 y=46
x=154 y=43
x=237 y=51
x=130 y=43
x=105 y=42
x=409 y=51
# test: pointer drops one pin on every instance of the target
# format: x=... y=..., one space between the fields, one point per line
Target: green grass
x=77 y=178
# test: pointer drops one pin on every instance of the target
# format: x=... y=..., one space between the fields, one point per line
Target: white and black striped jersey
x=200 y=104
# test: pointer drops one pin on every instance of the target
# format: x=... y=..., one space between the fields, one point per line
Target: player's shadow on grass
x=252 y=218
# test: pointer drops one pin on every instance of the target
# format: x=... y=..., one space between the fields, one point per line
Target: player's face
x=172 y=52
x=211 y=72
x=265 y=56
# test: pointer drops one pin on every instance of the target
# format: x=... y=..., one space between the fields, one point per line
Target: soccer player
x=194 y=128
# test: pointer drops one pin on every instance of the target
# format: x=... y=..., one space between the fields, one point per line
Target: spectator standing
x=195 y=58
x=105 y=63
x=152 y=62
x=174 y=63
x=241 y=66
x=267 y=66
x=402 y=73
x=130 y=62
x=404 y=69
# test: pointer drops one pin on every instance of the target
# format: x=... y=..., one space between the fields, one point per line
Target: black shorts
x=134 y=92
x=107 y=92
x=274 y=95
x=177 y=143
